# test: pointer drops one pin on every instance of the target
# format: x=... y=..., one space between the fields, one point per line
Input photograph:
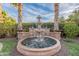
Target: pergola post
x=56 y=10
x=56 y=32
x=20 y=17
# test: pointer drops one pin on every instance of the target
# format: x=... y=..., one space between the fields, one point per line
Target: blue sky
x=32 y=10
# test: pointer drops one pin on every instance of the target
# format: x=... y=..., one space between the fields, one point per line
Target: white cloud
x=65 y=10
x=28 y=10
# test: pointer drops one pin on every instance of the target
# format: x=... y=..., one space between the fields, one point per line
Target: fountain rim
x=40 y=49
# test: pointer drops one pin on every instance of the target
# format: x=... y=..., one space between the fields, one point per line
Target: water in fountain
x=34 y=42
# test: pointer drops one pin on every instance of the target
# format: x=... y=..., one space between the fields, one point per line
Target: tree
x=1 y=16
x=7 y=25
x=74 y=16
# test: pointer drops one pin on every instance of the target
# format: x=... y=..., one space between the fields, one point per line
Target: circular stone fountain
x=36 y=46
x=39 y=44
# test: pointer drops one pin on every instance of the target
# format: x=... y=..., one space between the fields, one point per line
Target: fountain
x=39 y=44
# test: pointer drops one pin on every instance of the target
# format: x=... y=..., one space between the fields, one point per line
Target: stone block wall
x=23 y=35
x=56 y=35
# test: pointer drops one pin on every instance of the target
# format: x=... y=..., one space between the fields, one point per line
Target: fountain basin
x=43 y=51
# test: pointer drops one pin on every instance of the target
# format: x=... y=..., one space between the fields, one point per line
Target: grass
x=73 y=48
x=7 y=46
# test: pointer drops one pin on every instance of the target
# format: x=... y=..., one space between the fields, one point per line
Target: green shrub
x=7 y=28
x=71 y=29
x=26 y=26
x=2 y=31
x=48 y=25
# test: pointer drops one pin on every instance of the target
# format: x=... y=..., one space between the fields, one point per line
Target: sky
x=46 y=10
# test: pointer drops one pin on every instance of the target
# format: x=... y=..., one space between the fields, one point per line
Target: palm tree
x=56 y=8
x=19 y=6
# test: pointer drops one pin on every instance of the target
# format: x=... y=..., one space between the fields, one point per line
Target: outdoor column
x=56 y=32
x=56 y=10
x=20 y=17
x=20 y=29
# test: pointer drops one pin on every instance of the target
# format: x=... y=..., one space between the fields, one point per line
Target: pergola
x=56 y=11
x=56 y=33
